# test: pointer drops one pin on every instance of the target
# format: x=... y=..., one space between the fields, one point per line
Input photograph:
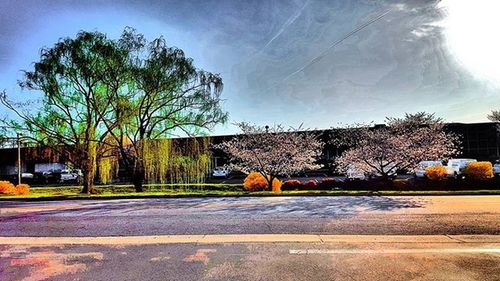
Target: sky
x=319 y=63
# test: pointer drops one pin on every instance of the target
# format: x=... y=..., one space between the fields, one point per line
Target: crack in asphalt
x=455 y=239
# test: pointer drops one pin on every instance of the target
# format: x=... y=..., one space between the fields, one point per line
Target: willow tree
x=73 y=78
x=116 y=93
x=166 y=95
x=182 y=160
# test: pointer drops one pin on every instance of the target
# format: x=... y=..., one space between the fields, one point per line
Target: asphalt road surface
x=273 y=238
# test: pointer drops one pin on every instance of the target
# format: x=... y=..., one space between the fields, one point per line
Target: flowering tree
x=273 y=152
x=399 y=145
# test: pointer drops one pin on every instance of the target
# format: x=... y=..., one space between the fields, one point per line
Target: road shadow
x=321 y=206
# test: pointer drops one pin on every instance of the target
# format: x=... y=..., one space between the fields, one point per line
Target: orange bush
x=479 y=170
x=436 y=173
x=277 y=185
x=257 y=182
x=22 y=189
x=7 y=188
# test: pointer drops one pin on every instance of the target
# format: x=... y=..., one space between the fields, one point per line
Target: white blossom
x=272 y=151
x=399 y=145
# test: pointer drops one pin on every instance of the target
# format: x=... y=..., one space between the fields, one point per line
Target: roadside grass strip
x=211 y=190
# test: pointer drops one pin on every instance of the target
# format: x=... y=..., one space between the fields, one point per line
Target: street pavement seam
x=248 y=238
x=396 y=251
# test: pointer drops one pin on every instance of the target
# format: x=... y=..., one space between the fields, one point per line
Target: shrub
x=327 y=182
x=479 y=170
x=7 y=188
x=277 y=185
x=311 y=184
x=22 y=189
x=256 y=182
x=436 y=173
x=401 y=184
x=292 y=185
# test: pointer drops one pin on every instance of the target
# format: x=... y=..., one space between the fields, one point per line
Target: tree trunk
x=138 y=175
x=385 y=181
x=89 y=169
x=269 y=183
x=88 y=185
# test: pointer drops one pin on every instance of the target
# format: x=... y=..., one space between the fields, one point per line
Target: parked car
x=47 y=177
x=496 y=168
x=25 y=177
x=354 y=173
x=422 y=166
x=456 y=167
x=222 y=171
x=49 y=167
x=69 y=175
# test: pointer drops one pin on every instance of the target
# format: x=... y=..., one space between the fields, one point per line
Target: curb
x=285 y=194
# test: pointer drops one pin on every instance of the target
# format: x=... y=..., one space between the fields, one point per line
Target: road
x=271 y=238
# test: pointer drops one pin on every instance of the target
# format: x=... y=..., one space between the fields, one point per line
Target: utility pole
x=18 y=159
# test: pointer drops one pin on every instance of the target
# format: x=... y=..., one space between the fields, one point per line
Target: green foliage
x=176 y=161
x=189 y=169
x=165 y=94
x=156 y=156
x=108 y=169
x=120 y=94
x=76 y=79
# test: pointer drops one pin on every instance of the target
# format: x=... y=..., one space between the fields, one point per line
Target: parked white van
x=74 y=175
x=221 y=171
x=422 y=166
x=496 y=168
x=457 y=166
x=354 y=173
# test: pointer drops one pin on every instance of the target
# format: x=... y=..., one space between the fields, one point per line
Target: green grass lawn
x=205 y=190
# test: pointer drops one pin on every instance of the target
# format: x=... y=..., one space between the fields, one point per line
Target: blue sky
x=404 y=62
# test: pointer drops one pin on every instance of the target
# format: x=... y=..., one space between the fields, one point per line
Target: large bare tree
x=272 y=151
